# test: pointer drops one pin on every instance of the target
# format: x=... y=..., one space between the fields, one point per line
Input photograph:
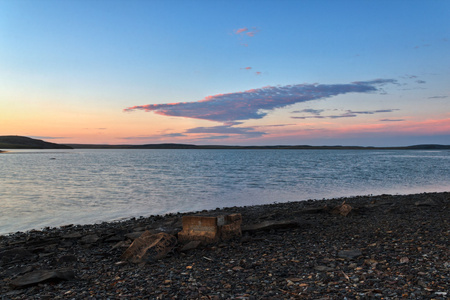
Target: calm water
x=51 y=188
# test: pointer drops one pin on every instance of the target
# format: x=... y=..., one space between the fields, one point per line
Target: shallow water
x=55 y=187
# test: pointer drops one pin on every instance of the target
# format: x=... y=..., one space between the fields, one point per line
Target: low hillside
x=22 y=142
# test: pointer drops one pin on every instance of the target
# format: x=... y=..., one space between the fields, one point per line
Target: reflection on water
x=51 y=188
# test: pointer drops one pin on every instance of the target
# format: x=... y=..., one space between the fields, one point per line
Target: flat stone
x=323 y=268
x=14 y=254
x=134 y=235
x=349 y=254
x=190 y=246
x=67 y=259
x=19 y=271
x=90 y=239
x=73 y=235
x=425 y=202
x=268 y=225
x=40 y=276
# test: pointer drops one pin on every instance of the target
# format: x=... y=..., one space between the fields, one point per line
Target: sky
x=368 y=73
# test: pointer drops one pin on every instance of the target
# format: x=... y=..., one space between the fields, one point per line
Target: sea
x=50 y=188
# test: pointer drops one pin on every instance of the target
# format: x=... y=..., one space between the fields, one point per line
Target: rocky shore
x=386 y=247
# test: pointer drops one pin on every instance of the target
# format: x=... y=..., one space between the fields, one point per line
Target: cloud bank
x=255 y=103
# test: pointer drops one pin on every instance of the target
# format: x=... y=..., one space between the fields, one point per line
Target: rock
x=134 y=235
x=343 y=209
x=150 y=247
x=15 y=254
x=67 y=259
x=72 y=235
x=122 y=244
x=115 y=239
x=232 y=227
x=268 y=225
x=190 y=246
x=425 y=202
x=40 y=276
x=19 y=271
x=90 y=239
x=323 y=268
x=210 y=229
x=349 y=254
x=199 y=228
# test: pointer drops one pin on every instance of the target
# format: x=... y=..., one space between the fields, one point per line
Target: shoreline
x=396 y=238
x=216 y=211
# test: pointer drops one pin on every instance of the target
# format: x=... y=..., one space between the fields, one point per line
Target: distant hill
x=22 y=142
x=300 y=147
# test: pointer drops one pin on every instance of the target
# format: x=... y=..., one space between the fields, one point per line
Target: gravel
x=387 y=247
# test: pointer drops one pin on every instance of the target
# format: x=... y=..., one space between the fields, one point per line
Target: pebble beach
x=387 y=247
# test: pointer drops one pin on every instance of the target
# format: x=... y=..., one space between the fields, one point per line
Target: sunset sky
x=226 y=72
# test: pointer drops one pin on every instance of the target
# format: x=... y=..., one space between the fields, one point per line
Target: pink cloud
x=258 y=73
x=245 y=31
x=241 y=30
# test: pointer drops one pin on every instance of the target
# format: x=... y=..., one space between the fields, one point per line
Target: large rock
x=344 y=209
x=40 y=276
x=210 y=229
x=150 y=247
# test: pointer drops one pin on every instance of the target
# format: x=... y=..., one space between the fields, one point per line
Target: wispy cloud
x=215 y=137
x=255 y=103
x=245 y=132
x=316 y=114
x=438 y=97
x=420 y=81
x=174 y=135
x=246 y=31
x=392 y=120
x=420 y=46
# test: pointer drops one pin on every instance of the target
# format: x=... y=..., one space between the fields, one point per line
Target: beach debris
x=149 y=247
x=344 y=209
x=41 y=276
x=210 y=229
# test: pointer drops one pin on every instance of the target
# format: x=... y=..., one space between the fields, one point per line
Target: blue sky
x=88 y=71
